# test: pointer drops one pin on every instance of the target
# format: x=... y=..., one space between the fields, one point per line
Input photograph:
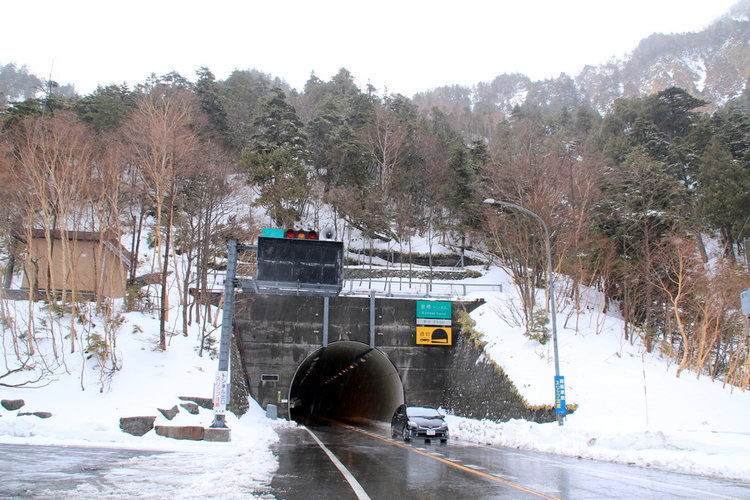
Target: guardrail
x=397 y=287
x=412 y=288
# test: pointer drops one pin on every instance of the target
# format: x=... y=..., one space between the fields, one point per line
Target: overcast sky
x=404 y=46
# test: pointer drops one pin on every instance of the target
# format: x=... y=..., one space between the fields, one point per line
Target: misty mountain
x=713 y=65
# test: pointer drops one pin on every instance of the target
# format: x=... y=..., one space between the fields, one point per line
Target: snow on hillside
x=148 y=380
x=631 y=407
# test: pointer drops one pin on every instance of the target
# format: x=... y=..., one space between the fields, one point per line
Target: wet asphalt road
x=380 y=468
x=390 y=469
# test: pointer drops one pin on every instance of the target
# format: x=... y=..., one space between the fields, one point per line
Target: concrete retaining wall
x=276 y=333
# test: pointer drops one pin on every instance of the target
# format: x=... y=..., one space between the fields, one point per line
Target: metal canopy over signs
x=434 y=319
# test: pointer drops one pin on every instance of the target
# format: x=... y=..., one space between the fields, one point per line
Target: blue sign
x=560 y=407
x=269 y=232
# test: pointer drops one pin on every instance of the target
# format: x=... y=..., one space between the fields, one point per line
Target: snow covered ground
x=631 y=407
x=149 y=380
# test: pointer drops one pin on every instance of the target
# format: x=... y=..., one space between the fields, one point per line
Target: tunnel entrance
x=346 y=381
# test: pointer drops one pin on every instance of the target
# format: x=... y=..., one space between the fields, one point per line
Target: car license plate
x=430 y=433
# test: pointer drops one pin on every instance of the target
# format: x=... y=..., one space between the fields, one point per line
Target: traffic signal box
x=297 y=262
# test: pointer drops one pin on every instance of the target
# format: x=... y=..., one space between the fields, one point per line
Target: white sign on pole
x=745 y=301
x=221 y=391
x=434 y=322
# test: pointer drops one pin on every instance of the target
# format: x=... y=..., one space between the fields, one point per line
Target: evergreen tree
x=672 y=111
x=106 y=107
x=724 y=190
x=18 y=110
x=585 y=121
x=276 y=163
x=465 y=166
x=17 y=84
x=639 y=209
x=212 y=104
x=278 y=126
x=243 y=94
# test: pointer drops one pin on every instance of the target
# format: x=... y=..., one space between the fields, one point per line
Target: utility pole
x=560 y=407
x=221 y=384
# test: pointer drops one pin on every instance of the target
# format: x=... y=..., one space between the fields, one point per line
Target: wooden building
x=96 y=263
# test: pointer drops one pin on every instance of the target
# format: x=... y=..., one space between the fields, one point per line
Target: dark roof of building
x=110 y=239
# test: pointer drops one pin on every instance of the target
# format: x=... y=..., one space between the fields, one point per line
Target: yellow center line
x=448 y=462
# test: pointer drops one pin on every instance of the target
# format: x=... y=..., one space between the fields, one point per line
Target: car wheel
x=443 y=440
x=407 y=434
x=393 y=432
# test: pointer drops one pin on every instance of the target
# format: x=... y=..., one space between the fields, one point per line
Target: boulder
x=191 y=408
x=137 y=426
x=170 y=413
x=40 y=414
x=206 y=403
x=12 y=404
x=192 y=432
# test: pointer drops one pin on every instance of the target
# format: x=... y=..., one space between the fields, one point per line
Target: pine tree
x=212 y=103
x=277 y=161
x=724 y=192
x=278 y=126
x=106 y=107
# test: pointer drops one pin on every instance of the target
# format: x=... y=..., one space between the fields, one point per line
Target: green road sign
x=434 y=309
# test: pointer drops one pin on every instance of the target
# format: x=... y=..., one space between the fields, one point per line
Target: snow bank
x=631 y=406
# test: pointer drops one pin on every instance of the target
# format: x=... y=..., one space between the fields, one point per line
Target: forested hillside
x=647 y=202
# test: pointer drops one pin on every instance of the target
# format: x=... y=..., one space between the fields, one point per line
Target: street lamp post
x=551 y=286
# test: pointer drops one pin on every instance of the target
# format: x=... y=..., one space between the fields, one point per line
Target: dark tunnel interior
x=346 y=381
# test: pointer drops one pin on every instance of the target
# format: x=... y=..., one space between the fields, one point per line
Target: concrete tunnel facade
x=370 y=364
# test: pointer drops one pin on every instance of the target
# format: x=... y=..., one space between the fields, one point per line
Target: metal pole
x=550 y=283
x=326 y=309
x=221 y=385
x=372 y=319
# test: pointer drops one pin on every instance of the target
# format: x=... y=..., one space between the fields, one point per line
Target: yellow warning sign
x=434 y=335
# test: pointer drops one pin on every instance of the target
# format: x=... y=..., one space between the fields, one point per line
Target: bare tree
x=386 y=139
x=701 y=305
x=529 y=173
x=163 y=145
x=53 y=159
x=209 y=200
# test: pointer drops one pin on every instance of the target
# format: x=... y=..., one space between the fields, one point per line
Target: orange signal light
x=301 y=235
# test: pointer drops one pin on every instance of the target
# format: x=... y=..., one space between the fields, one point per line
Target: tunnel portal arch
x=346 y=380
x=279 y=338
